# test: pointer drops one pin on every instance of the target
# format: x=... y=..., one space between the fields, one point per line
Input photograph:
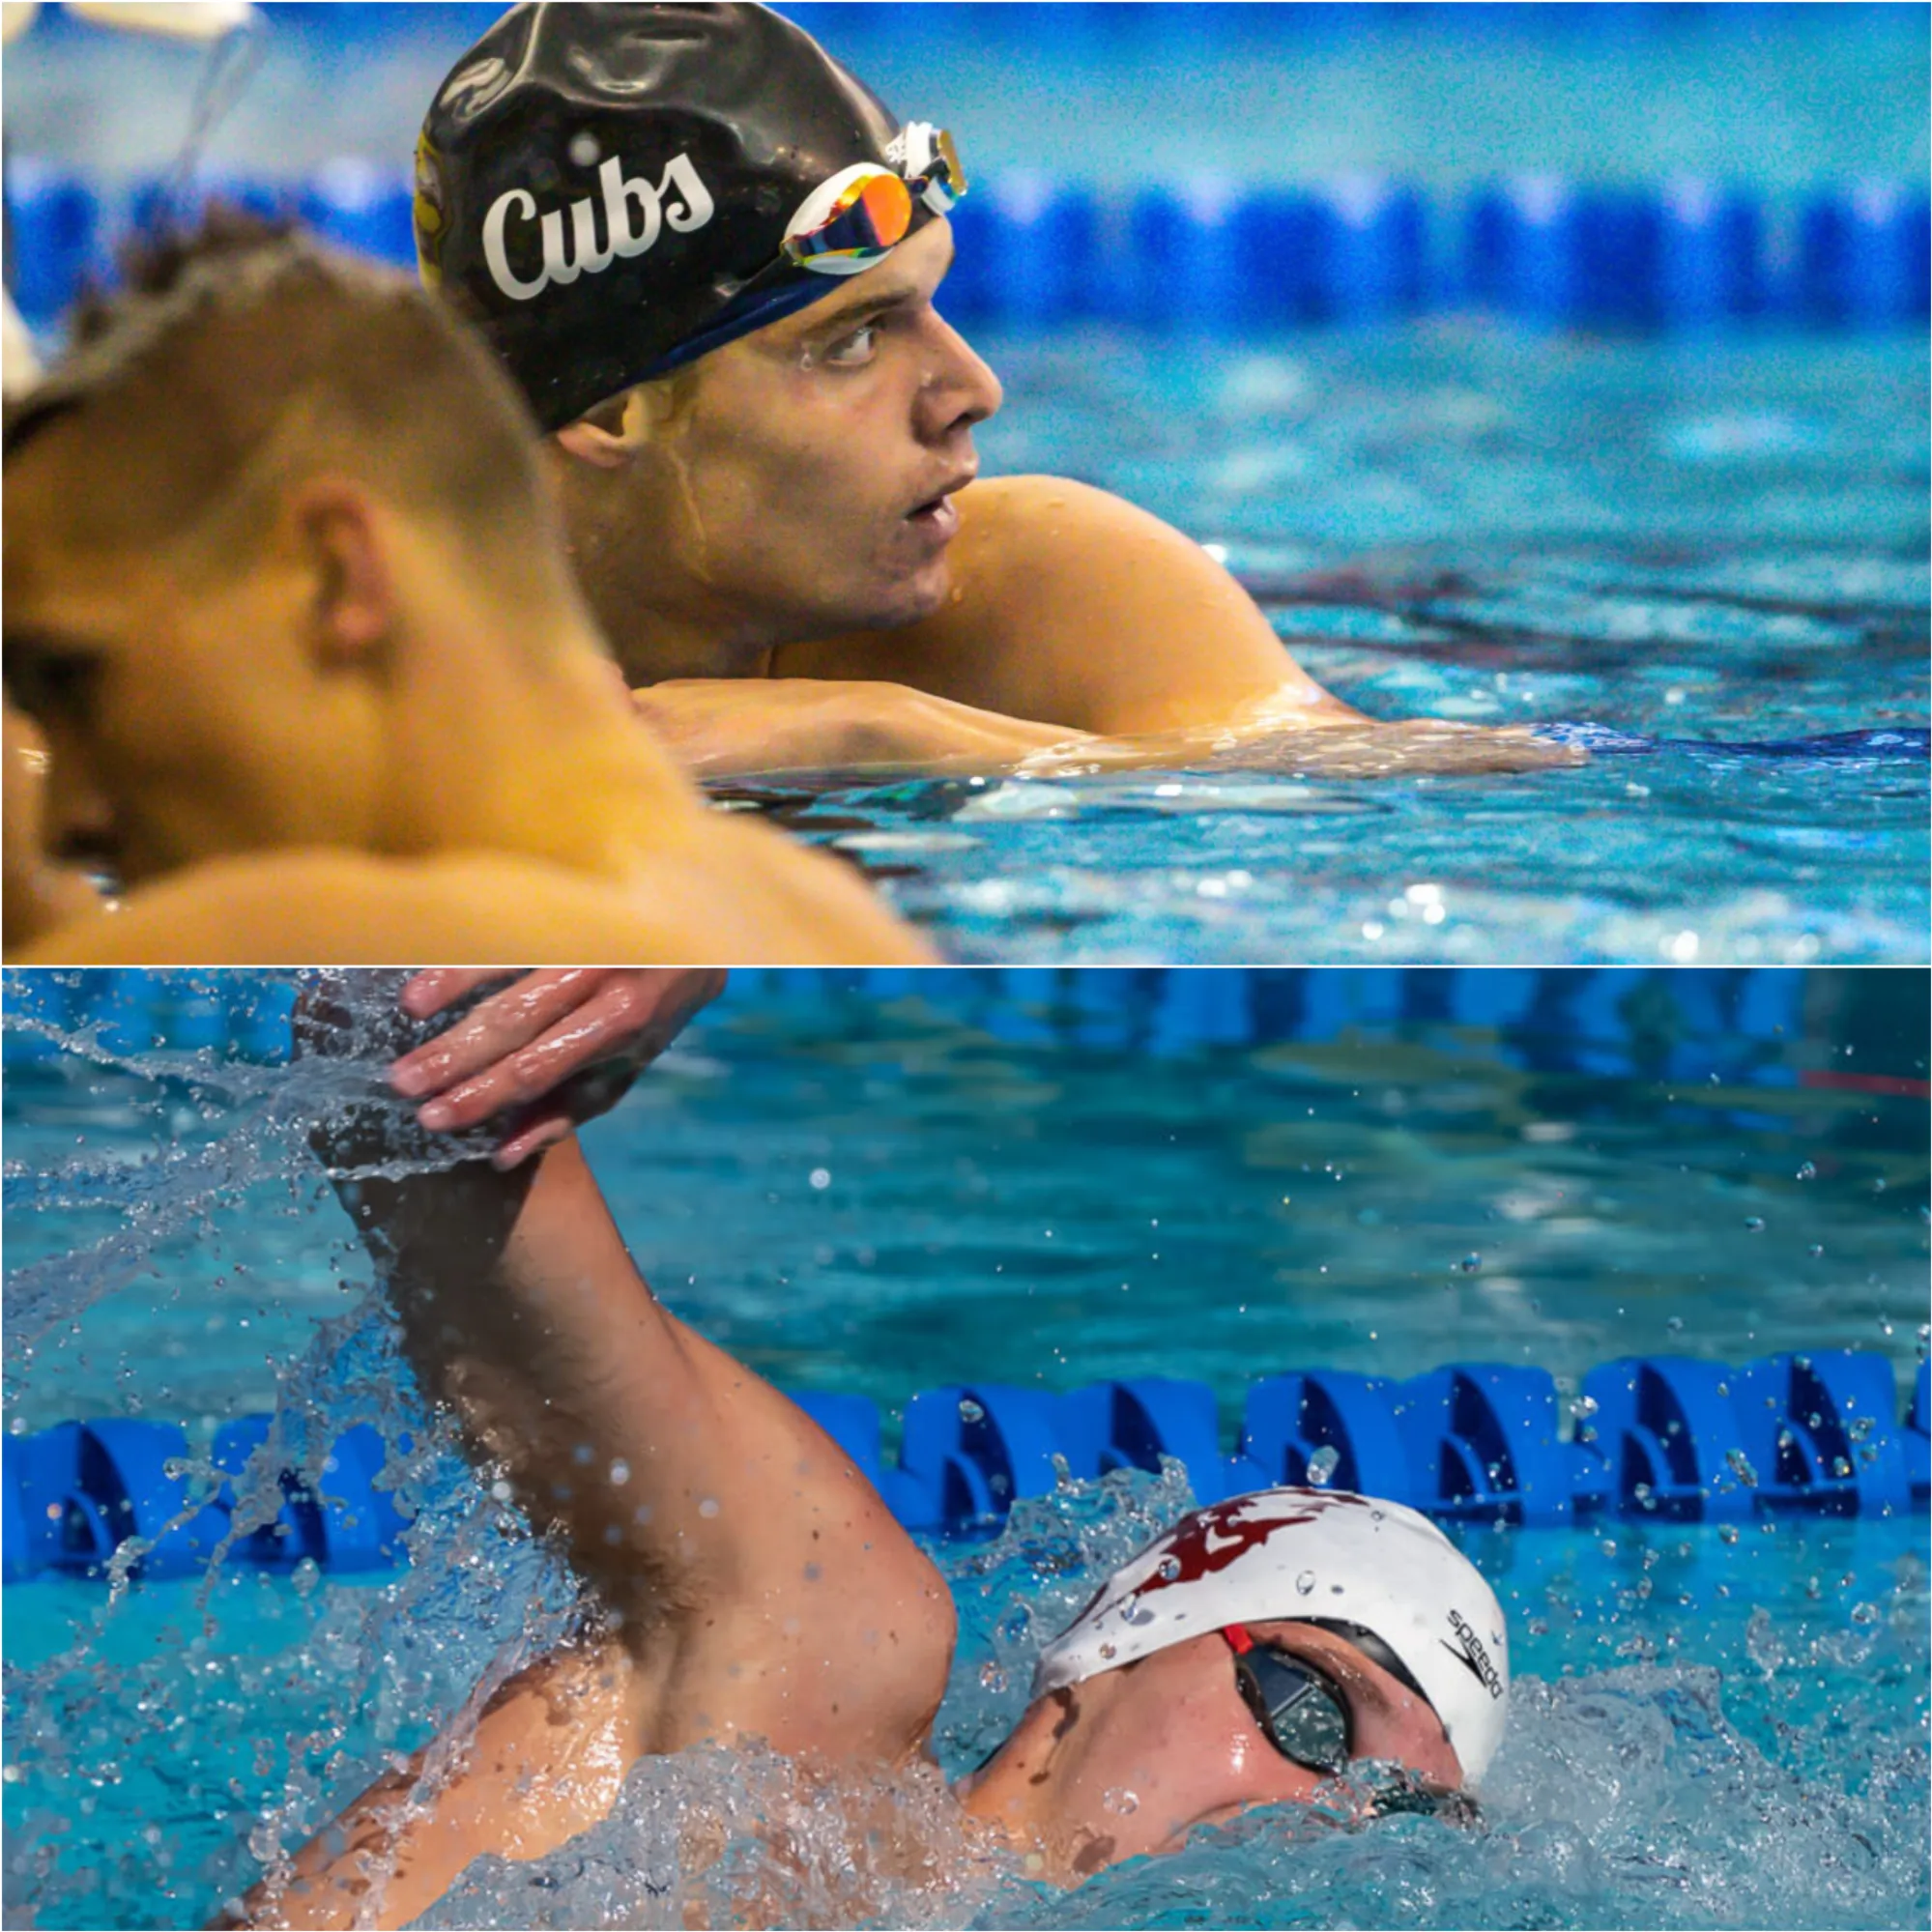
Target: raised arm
x=757 y=1584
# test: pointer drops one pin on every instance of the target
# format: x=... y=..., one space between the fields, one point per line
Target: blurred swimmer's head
x=1258 y=1651
x=627 y=200
x=266 y=481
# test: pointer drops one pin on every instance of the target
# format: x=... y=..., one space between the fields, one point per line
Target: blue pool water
x=1717 y=543
x=1703 y=540
x=1715 y=1725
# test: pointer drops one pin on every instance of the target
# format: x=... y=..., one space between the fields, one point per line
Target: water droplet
x=585 y=151
x=1170 y=1568
x=501 y=1490
x=970 y=1410
x=1865 y=1613
x=1755 y=1223
x=1109 y=1651
x=1121 y=1802
x=1808 y=1172
x=620 y=1473
x=821 y=1177
x=1728 y=1532
x=1740 y=1467
x=1470 y=1263
x=306 y=1576
x=1305 y=1582
x=1322 y=1465
x=1675 y=1325
x=708 y=1507
x=992 y=1677
x=1816 y=1249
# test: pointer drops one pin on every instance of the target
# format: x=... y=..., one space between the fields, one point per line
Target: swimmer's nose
x=959 y=390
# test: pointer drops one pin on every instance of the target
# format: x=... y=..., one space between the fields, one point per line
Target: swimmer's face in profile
x=796 y=481
x=1130 y=1761
x=194 y=685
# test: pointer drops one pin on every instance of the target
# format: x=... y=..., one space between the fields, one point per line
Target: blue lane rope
x=1738 y=1024
x=1661 y=1438
x=1680 y=256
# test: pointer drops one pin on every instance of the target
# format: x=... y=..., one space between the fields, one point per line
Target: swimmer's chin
x=912 y=600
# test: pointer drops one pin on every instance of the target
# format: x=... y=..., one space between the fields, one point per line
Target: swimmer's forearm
x=520 y=1308
x=723 y=729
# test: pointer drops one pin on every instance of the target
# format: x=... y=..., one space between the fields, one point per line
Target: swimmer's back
x=737 y=895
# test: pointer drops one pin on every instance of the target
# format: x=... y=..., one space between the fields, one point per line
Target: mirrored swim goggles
x=1305 y=1716
x=857 y=218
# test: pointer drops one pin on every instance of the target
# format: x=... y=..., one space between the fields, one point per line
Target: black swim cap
x=604 y=189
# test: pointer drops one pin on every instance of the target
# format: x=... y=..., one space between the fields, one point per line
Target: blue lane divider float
x=1743 y=1025
x=1214 y=253
x=1663 y=1438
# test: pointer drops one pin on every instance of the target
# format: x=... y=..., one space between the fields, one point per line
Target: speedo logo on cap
x=624 y=196
x=1472 y=1657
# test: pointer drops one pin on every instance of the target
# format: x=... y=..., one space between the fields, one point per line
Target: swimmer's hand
x=546 y=1054
x=735 y=727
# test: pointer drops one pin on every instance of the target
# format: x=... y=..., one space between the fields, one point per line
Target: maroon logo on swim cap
x=1214 y=1537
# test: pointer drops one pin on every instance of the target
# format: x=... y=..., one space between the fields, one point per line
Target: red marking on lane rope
x=1899 y=1083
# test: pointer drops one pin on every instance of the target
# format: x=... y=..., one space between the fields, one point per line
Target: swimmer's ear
x=352 y=602
x=605 y=437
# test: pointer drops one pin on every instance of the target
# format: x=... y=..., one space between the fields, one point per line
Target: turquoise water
x=1706 y=544
x=1706 y=1731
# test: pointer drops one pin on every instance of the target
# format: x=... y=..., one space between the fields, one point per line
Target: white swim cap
x=1317 y=1556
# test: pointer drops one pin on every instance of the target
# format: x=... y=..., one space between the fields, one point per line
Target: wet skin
x=826 y=585
x=795 y=1611
x=1175 y=1731
x=446 y=755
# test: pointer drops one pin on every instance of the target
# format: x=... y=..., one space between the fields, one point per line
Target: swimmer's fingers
x=427 y=993
x=501 y=1025
x=581 y=1066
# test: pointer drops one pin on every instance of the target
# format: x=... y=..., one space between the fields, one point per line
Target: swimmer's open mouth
x=938 y=507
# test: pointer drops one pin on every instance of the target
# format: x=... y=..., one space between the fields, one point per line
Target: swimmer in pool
x=711 y=260
x=285 y=595
x=755 y=1586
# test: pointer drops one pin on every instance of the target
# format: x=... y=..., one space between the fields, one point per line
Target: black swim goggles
x=1301 y=1711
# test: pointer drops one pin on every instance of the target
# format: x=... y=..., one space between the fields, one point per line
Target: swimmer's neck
x=696 y=635
x=513 y=732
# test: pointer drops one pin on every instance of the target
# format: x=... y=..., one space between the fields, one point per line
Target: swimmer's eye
x=854 y=351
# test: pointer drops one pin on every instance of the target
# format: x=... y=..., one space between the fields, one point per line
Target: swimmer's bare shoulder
x=546 y=1762
x=738 y=895
x=1073 y=606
